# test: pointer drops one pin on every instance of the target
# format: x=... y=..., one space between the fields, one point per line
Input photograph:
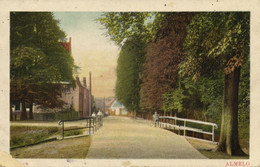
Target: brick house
x=77 y=98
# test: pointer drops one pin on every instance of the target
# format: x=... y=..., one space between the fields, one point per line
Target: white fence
x=170 y=123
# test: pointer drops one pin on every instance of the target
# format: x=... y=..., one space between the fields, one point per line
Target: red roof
x=67 y=45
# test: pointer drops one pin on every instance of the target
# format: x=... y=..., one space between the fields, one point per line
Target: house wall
x=118 y=109
x=75 y=94
x=67 y=95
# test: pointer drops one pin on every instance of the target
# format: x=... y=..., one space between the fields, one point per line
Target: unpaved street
x=122 y=137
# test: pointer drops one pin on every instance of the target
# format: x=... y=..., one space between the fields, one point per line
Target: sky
x=92 y=50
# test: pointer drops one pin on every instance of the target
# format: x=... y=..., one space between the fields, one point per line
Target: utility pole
x=90 y=105
x=104 y=105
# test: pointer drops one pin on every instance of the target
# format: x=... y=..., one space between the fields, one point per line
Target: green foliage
x=123 y=25
x=202 y=97
x=129 y=71
x=37 y=29
x=211 y=90
x=38 y=61
x=244 y=105
x=244 y=92
x=26 y=62
x=173 y=100
x=216 y=41
x=219 y=42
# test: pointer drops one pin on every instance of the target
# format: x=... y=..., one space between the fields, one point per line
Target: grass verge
x=26 y=135
x=69 y=148
x=206 y=149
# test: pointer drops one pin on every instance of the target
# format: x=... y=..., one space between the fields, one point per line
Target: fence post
x=94 y=122
x=184 y=133
x=212 y=133
x=62 y=129
x=89 y=122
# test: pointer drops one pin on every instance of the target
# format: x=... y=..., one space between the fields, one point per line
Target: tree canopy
x=220 y=42
x=192 y=65
x=163 y=57
x=129 y=70
x=216 y=41
x=37 y=59
x=123 y=25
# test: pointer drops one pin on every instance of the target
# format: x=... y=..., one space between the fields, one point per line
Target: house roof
x=67 y=45
x=109 y=102
x=117 y=104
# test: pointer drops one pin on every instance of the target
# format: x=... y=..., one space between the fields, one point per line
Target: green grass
x=243 y=134
x=25 y=135
x=73 y=132
x=205 y=149
x=220 y=155
x=68 y=148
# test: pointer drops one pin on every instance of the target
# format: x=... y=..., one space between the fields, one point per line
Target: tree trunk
x=11 y=113
x=229 y=127
x=23 y=112
x=31 y=111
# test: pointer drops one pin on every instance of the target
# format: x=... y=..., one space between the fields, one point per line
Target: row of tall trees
x=38 y=61
x=129 y=71
x=192 y=64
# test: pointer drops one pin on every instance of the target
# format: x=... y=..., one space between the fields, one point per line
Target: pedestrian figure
x=155 y=118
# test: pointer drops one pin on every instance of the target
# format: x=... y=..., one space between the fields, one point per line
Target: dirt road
x=122 y=137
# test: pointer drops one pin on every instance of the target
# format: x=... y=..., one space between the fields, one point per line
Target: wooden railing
x=171 y=123
x=92 y=123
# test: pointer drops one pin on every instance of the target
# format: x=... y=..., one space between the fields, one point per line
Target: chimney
x=84 y=82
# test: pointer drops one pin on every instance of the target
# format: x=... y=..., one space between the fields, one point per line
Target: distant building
x=118 y=108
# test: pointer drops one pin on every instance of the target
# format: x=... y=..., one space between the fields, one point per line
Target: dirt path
x=122 y=137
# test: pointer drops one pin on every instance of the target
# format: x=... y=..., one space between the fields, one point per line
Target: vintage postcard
x=134 y=84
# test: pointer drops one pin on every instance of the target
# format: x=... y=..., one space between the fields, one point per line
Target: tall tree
x=163 y=57
x=126 y=29
x=37 y=59
x=220 y=41
x=129 y=70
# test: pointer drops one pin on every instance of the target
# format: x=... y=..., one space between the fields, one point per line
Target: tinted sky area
x=91 y=49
